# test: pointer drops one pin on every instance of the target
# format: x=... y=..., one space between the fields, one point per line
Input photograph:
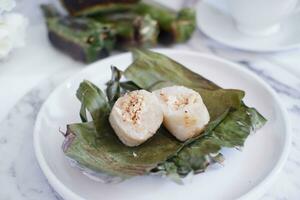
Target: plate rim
x=235 y=46
x=256 y=191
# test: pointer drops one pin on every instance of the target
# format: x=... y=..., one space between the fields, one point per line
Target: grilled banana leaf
x=232 y=121
x=115 y=88
x=174 y=26
x=83 y=39
x=132 y=30
x=93 y=145
x=50 y=11
x=89 y=7
x=150 y=68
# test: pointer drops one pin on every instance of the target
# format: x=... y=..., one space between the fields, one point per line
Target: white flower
x=12 y=32
x=7 y=5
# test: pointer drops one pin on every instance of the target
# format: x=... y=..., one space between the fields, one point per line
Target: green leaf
x=132 y=30
x=185 y=24
x=151 y=70
x=231 y=121
x=83 y=8
x=129 y=86
x=49 y=11
x=83 y=114
x=113 y=90
x=103 y=152
x=231 y=133
x=95 y=146
x=93 y=99
x=82 y=38
x=149 y=67
x=174 y=26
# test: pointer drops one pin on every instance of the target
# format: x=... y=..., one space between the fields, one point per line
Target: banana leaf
x=50 y=11
x=150 y=68
x=94 y=146
x=132 y=30
x=83 y=39
x=102 y=151
x=93 y=100
x=200 y=153
x=174 y=26
x=90 y=7
x=115 y=88
x=233 y=120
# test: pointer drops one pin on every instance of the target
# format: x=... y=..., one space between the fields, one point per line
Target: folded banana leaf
x=115 y=88
x=132 y=30
x=94 y=145
x=150 y=68
x=174 y=26
x=232 y=131
x=83 y=39
x=89 y=7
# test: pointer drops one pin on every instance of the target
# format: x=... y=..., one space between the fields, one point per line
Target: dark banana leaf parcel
x=175 y=27
x=94 y=145
x=132 y=30
x=84 y=39
x=89 y=7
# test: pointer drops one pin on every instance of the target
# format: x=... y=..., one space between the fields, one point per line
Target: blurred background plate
x=214 y=20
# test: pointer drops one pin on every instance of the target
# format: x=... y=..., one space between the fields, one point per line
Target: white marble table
x=36 y=69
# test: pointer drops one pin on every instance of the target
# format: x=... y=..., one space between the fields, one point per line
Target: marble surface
x=39 y=64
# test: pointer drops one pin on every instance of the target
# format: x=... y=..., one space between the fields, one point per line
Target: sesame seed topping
x=132 y=107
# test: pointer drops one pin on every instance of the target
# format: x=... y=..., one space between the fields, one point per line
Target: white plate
x=245 y=175
x=214 y=20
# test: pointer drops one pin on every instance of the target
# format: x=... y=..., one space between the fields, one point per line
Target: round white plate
x=215 y=21
x=246 y=174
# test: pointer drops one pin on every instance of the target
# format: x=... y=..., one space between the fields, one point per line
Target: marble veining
x=278 y=86
x=21 y=177
x=295 y=109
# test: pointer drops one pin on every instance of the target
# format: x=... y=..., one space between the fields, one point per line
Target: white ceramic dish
x=213 y=19
x=245 y=174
